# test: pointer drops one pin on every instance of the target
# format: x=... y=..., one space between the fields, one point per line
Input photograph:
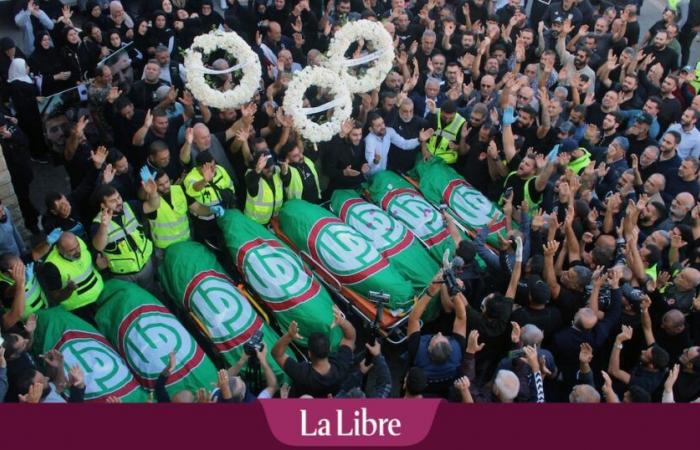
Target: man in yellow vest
x=70 y=277
x=444 y=143
x=169 y=223
x=264 y=189
x=299 y=175
x=20 y=289
x=210 y=186
x=118 y=234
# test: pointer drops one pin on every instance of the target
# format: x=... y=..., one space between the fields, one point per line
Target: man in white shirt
x=380 y=138
x=690 y=136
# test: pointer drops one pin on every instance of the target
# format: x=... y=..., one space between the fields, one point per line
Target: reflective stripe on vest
x=265 y=205
x=82 y=272
x=209 y=196
x=295 y=189
x=34 y=297
x=533 y=206
x=171 y=225
x=439 y=143
x=122 y=257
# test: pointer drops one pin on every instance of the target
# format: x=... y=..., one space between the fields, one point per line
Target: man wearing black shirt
x=662 y=54
x=538 y=312
x=324 y=373
x=143 y=92
x=671 y=108
x=407 y=125
x=345 y=161
x=669 y=161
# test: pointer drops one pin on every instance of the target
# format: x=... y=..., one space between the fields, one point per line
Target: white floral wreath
x=294 y=98
x=248 y=63
x=383 y=53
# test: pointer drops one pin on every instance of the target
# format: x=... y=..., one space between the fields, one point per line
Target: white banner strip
x=207 y=71
x=364 y=59
x=320 y=108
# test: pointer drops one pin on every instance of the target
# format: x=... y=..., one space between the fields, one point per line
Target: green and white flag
x=344 y=252
x=279 y=277
x=199 y=286
x=403 y=202
x=106 y=373
x=441 y=184
x=145 y=332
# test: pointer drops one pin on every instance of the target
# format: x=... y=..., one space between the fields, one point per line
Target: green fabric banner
x=199 y=286
x=279 y=277
x=442 y=185
x=402 y=201
x=106 y=373
x=344 y=252
x=145 y=332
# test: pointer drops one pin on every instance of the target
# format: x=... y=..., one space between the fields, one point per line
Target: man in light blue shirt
x=10 y=240
x=690 y=136
x=380 y=138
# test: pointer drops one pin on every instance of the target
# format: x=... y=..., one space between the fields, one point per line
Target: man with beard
x=609 y=128
x=628 y=97
x=70 y=277
x=611 y=170
x=381 y=137
x=426 y=49
x=662 y=54
x=671 y=108
x=596 y=112
x=574 y=64
x=686 y=179
x=345 y=162
x=669 y=161
x=690 y=136
x=473 y=163
x=647 y=161
x=564 y=9
x=118 y=234
x=687 y=387
x=681 y=293
x=408 y=126
x=143 y=92
x=679 y=211
x=639 y=134
x=651 y=217
x=405 y=31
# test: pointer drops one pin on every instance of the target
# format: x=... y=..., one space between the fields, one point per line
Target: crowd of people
x=581 y=127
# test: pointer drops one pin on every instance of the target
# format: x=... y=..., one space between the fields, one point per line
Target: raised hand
x=473 y=345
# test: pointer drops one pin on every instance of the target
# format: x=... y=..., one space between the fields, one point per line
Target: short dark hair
x=449 y=107
x=466 y=250
x=51 y=198
x=659 y=357
x=103 y=191
x=676 y=136
x=157 y=147
x=416 y=381
x=286 y=149
x=122 y=102
x=203 y=158
x=529 y=110
x=638 y=394
x=319 y=345
x=372 y=117
x=114 y=155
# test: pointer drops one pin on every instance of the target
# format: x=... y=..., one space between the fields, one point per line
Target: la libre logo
x=358 y=423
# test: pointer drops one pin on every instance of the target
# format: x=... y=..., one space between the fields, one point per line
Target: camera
x=254 y=344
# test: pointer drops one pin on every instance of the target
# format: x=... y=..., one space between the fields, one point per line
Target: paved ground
x=48 y=177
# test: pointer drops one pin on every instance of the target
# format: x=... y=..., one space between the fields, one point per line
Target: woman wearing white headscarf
x=24 y=94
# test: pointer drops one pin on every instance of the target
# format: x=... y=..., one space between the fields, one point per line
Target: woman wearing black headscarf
x=46 y=61
x=160 y=33
x=8 y=52
x=80 y=58
x=23 y=93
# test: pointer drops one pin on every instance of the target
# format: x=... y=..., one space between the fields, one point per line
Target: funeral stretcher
x=349 y=265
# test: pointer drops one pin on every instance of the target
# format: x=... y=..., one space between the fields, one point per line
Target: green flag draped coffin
x=403 y=202
x=106 y=373
x=279 y=277
x=389 y=236
x=441 y=184
x=194 y=279
x=344 y=252
x=145 y=332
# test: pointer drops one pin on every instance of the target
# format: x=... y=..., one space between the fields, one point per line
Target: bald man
x=202 y=141
x=679 y=211
x=680 y=294
x=584 y=393
x=586 y=328
x=70 y=277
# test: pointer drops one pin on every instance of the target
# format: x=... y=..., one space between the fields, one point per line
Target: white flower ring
x=383 y=53
x=294 y=100
x=248 y=63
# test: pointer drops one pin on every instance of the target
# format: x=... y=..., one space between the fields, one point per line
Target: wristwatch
x=619 y=346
